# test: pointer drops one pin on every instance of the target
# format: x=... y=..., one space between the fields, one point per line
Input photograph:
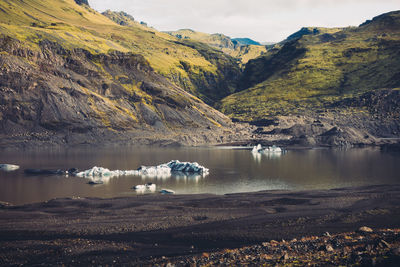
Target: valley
x=71 y=75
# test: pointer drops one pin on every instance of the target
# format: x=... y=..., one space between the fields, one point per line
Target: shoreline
x=138 y=229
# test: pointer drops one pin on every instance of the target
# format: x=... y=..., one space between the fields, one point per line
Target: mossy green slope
x=234 y=48
x=315 y=71
x=79 y=26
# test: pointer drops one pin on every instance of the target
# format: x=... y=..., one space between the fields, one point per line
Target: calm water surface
x=231 y=170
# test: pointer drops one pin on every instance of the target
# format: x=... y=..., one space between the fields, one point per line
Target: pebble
x=341 y=250
x=329 y=248
x=386 y=244
x=327 y=234
x=365 y=229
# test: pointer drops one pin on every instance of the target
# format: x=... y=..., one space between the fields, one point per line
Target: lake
x=232 y=170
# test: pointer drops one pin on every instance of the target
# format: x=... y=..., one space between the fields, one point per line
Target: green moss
x=311 y=73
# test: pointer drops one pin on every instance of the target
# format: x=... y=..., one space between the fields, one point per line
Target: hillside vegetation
x=243 y=49
x=317 y=69
x=79 y=26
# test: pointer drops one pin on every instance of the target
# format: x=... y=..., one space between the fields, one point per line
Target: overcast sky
x=261 y=20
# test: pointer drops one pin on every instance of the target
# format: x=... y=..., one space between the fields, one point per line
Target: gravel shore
x=158 y=229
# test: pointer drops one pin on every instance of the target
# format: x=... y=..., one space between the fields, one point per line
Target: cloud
x=263 y=20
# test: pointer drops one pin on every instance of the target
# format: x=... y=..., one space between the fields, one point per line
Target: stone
x=329 y=248
x=285 y=257
x=327 y=234
x=365 y=229
x=384 y=243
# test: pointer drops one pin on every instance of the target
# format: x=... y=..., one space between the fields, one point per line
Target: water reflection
x=231 y=170
x=268 y=155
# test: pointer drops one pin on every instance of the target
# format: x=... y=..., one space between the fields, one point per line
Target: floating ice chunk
x=257 y=149
x=145 y=187
x=273 y=149
x=151 y=187
x=270 y=149
x=140 y=187
x=167 y=191
x=162 y=171
x=187 y=167
x=8 y=167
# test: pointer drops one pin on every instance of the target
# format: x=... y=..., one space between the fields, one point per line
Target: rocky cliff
x=70 y=75
x=61 y=96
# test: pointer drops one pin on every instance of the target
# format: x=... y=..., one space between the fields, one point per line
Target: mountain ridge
x=244 y=50
x=315 y=75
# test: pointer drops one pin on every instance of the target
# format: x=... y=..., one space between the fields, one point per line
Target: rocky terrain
x=361 y=247
x=56 y=91
x=234 y=229
x=74 y=97
x=71 y=75
x=346 y=78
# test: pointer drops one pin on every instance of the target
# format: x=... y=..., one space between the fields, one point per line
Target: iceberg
x=139 y=187
x=257 y=149
x=162 y=170
x=143 y=187
x=270 y=149
x=167 y=191
x=8 y=167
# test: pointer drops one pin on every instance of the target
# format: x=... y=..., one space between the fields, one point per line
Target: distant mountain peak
x=246 y=41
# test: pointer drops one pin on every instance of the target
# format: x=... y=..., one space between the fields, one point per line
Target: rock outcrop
x=82 y=2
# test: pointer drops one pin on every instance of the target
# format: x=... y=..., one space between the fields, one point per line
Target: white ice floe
x=8 y=167
x=151 y=187
x=145 y=187
x=167 y=191
x=270 y=149
x=139 y=187
x=257 y=149
x=162 y=170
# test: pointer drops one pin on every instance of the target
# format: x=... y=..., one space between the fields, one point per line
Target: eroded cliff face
x=66 y=96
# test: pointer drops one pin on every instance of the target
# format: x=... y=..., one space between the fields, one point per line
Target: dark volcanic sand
x=132 y=230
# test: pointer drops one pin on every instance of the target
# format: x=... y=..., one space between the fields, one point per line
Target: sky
x=261 y=20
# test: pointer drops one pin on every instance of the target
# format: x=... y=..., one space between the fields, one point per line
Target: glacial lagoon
x=231 y=170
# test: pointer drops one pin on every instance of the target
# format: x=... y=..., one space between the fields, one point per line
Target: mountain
x=216 y=40
x=345 y=78
x=243 y=49
x=245 y=41
x=70 y=75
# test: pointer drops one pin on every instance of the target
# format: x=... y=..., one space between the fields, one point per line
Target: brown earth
x=138 y=230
